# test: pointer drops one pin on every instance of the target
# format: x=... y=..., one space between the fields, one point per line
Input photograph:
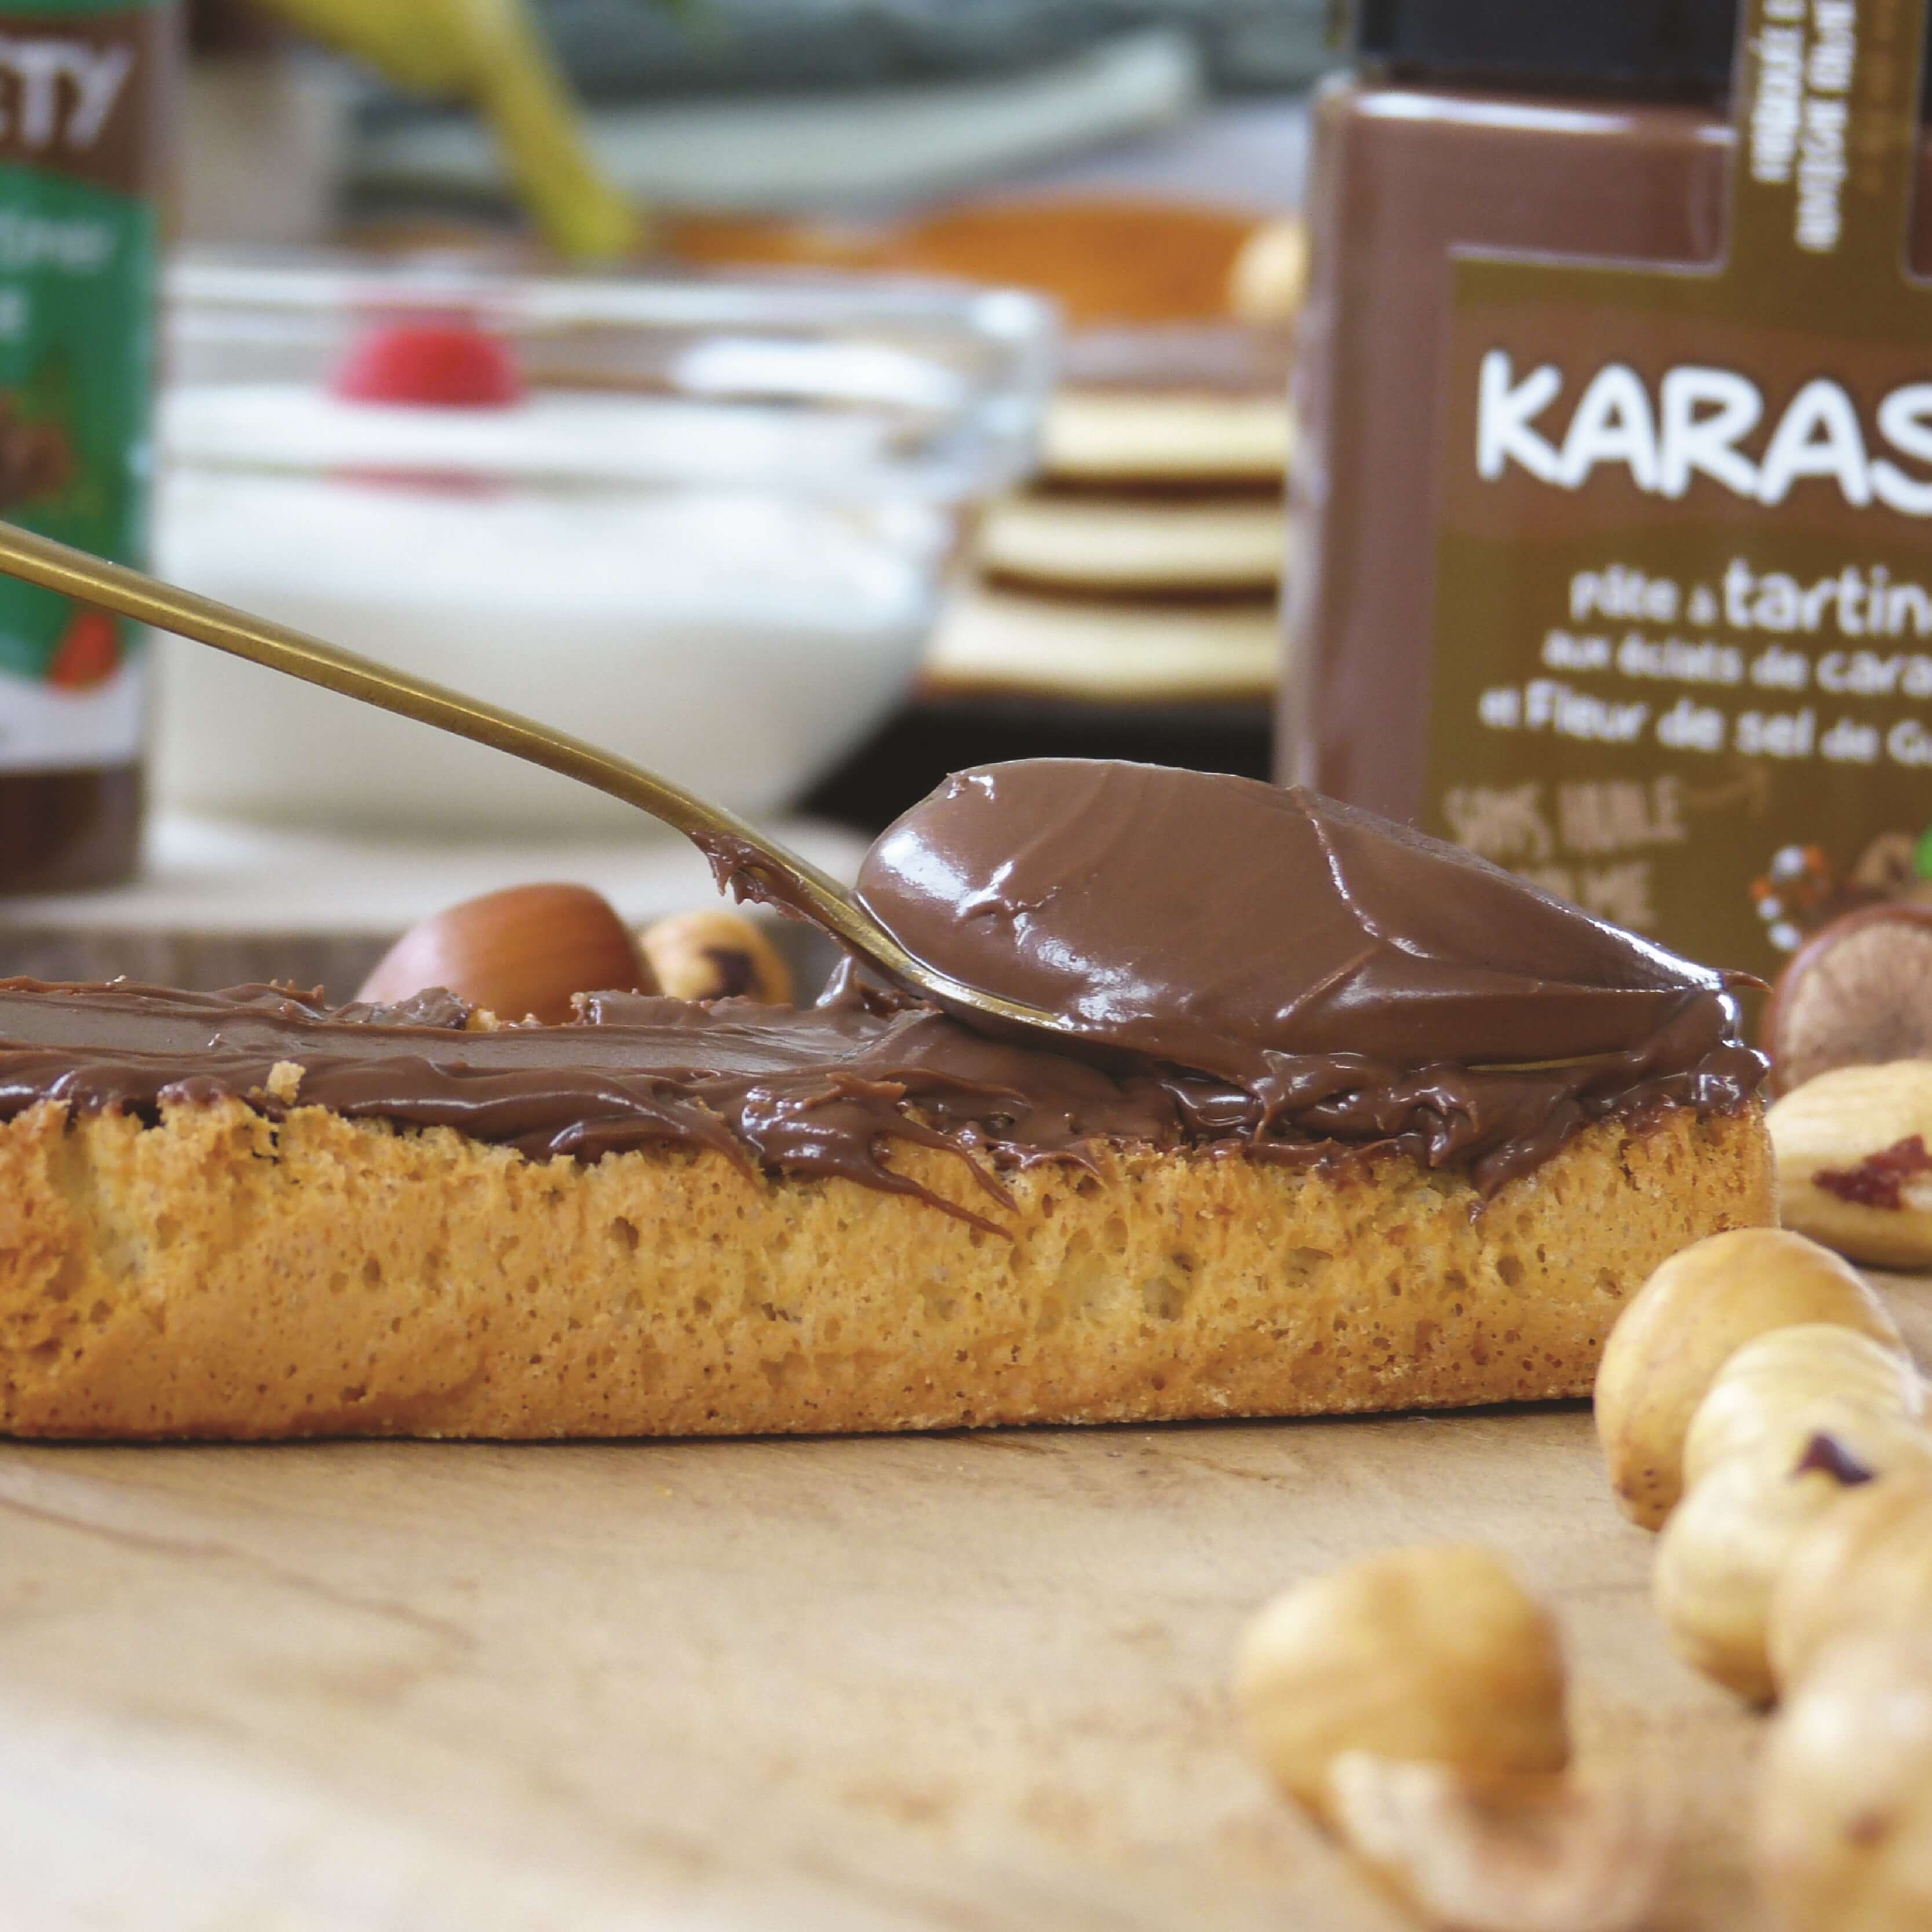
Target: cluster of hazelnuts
x=1756 y=1406
x=529 y=952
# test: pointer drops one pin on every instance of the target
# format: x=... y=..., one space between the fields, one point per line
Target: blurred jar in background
x=84 y=91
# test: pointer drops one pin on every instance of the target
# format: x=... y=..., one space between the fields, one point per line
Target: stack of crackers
x=1144 y=564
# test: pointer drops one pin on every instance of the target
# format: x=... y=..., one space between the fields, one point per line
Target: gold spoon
x=742 y=858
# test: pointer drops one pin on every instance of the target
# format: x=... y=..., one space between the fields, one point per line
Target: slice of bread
x=222 y=1275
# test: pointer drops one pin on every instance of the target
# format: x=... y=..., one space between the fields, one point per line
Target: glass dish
x=710 y=533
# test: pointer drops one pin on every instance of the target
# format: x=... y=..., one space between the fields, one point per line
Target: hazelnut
x=1559 y=1854
x=1789 y=1385
x=1721 y=1553
x=1857 y=993
x=1866 y=1565
x=1842 y=1838
x=1854 y=1150
x=522 y=951
x=715 y=954
x=1433 y=1654
x=1682 y=1324
x=1889 y=865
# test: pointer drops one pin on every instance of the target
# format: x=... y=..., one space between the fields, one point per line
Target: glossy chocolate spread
x=1289 y=927
x=1323 y=984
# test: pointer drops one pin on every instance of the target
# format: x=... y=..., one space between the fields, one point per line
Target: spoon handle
x=736 y=850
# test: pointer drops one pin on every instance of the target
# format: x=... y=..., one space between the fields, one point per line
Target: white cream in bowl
x=607 y=563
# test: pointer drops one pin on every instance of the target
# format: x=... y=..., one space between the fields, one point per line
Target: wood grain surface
x=950 y=1682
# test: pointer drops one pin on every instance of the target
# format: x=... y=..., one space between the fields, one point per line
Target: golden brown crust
x=219 y=1275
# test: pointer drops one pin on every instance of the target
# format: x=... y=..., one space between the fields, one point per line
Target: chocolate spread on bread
x=1260 y=972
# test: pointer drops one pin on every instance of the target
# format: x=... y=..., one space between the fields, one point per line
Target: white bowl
x=711 y=538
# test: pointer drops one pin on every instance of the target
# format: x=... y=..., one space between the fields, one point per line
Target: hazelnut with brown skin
x=1858 y=993
x=1684 y=1322
x=1889 y=865
x=714 y=954
x=521 y=953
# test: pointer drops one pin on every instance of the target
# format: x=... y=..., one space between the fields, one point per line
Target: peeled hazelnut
x=1560 y=1855
x=1859 y=992
x=1843 y=1829
x=1414 y=1702
x=1683 y=1324
x=1433 y=1654
x=715 y=954
x=522 y=951
x=1719 y=1555
x=1791 y=1384
x=1854 y=1150
x=1865 y=1566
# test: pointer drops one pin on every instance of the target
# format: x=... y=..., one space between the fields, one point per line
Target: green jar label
x=1682 y=665
x=80 y=140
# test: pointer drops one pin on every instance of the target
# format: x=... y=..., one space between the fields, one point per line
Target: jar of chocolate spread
x=1611 y=514
x=83 y=91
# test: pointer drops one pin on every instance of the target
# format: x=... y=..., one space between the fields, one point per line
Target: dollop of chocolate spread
x=1261 y=973
x=1243 y=928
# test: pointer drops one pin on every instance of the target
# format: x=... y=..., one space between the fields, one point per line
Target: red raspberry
x=445 y=364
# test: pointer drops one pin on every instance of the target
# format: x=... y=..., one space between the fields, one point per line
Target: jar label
x=80 y=140
x=1682 y=649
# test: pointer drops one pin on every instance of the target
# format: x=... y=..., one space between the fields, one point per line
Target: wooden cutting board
x=947 y=1682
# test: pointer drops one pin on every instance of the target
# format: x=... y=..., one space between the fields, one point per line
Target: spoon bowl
x=743 y=859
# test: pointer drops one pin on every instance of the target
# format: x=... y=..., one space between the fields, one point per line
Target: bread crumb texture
x=222 y=1275
x=285 y=1080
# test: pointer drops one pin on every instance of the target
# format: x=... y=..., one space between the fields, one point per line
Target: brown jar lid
x=1681 y=48
x=1669 y=49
